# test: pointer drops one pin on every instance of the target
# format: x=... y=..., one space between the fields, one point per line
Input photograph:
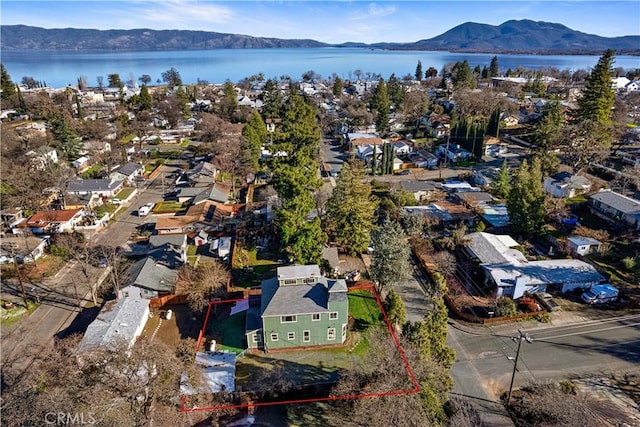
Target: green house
x=298 y=308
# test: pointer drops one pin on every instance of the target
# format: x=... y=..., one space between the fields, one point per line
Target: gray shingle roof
x=93 y=185
x=129 y=168
x=413 y=186
x=617 y=201
x=297 y=299
x=494 y=249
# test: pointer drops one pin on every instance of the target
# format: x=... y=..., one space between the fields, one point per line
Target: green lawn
x=228 y=332
x=92 y=173
x=185 y=143
x=108 y=208
x=149 y=168
x=124 y=193
x=168 y=207
x=364 y=309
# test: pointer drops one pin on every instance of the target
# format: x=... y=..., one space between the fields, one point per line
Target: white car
x=144 y=210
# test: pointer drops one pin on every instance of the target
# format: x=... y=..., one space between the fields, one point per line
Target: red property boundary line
x=371 y=289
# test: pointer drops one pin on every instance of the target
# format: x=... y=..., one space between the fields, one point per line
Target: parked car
x=546 y=301
x=144 y=210
x=600 y=294
x=404 y=172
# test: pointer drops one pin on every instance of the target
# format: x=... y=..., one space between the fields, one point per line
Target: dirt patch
x=349 y=263
x=182 y=324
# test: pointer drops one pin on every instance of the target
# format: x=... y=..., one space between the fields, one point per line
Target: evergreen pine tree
x=7 y=86
x=350 y=209
x=418 y=72
x=493 y=67
x=502 y=184
x=525 y=201
x=596 y=102
x=380 y=103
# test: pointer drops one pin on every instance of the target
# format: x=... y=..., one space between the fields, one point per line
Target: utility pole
x=519 y=338
x=17 y=267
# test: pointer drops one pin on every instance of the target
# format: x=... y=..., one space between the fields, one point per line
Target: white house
x=583 y=245
x=513 y=275
x=42 y=156
x=120 y=320
x=566 y=185
x=81 y=164
x=454 y=152
x=633 y=86
x=102 y=187
x=402 y=147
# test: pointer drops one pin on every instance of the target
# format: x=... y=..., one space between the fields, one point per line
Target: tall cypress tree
x=418 y=72
x=380 y=103
x=596 y=102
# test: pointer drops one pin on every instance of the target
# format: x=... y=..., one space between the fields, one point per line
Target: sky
x=325 y=21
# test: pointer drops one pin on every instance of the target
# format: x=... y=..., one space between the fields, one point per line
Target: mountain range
x=515 y=36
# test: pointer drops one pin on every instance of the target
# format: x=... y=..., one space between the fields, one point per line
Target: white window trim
x=318 y=319
x=255 y=338
x=331 y=331
x=306 y=336
x=295 y=319
x=333 y=315
x=274 y=334
x=291 y=336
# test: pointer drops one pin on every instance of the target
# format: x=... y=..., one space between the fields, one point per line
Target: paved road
x=413 y=293
x=59 y=294
x=484 y=364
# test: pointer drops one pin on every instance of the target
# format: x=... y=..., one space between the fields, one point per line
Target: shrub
x=567 y=387
x=527 y=305
x=543 y=318
x=629 y=262
x=506 y=307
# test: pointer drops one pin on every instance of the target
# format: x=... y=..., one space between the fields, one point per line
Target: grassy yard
x=149 y=168
x=168 y=207
x=228 y=331
x=185 y=143
x=9 y=316
x=92 y=172
x=124 y=193
x=364 y=309
x=251 y=266
x=108 y=208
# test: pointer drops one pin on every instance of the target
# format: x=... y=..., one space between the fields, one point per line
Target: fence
x=485 y=321
x=167 y=300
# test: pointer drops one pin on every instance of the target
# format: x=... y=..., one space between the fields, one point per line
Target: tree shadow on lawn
x=228 y=330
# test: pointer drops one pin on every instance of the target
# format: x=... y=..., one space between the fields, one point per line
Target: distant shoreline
x=483 y=51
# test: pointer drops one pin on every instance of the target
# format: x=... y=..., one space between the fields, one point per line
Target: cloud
x=374 y=10
x=184 y=14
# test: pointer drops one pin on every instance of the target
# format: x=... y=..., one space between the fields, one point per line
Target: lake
x=59 y=69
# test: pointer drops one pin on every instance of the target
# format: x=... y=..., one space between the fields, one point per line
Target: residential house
x=104 y=187
x=298 y=308
x=42 y=156
x=127 y=172
x=566 y=185
x=158 y=272
x=201 y=174
x=616 y=208
x=583 y=245
x=454 y=153
x=438 y=125
x=11 y=217
x=632 y=86
x=509 y=270
x=120 y=321
x=494 y=147
x=54 y=221
x=511 y=120
x=217 y=192
x=475 y=199
x=96 y=146
x=402 y=148
x=207 y=216
x=87 y=202
x=354 y=139
x=24 y=248
x=423 y=190
x=81 y=164
x=425 y=159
